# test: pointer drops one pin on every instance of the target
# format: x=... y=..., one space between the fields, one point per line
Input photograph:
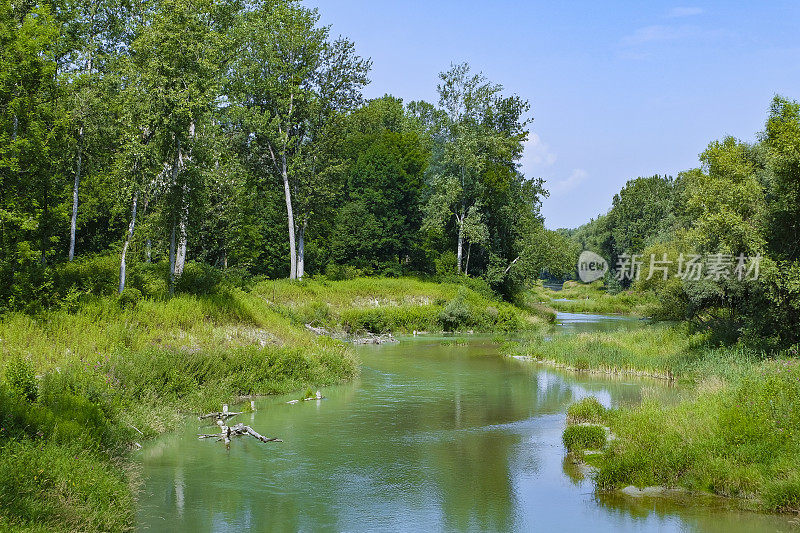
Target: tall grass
x=737 y=438
x=380 y=305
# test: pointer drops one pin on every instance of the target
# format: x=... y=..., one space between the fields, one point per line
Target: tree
x=289 y=82
x=479 y=136
x=175 y=74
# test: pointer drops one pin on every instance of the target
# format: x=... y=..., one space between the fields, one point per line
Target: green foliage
x=584 y=437
x=20 y=377
x=456 y=314
x=587 y=410
x=736 y=438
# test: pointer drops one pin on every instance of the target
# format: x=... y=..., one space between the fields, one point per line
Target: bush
x=579 y=438
x=336 y=272
x=199 y=278
x=586 y=410
x=456 y=313
x=21 y=378
x=446 y=264
x=130 y=297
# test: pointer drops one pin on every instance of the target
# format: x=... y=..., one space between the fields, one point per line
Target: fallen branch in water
x=226 y=432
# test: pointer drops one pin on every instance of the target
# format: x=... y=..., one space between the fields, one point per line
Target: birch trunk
x=131 y=227
x=172 y=261
x=466 y=265
x=74 y=221
x=460 y=241
x=301 y=251
x=180 y=259
x=292 y=247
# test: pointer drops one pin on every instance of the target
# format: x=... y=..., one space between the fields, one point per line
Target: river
x=436 y=435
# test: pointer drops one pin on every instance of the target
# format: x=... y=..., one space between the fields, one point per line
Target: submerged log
x=226 y=432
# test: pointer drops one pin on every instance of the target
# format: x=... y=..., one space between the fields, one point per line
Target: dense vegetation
x=744 y=200
x=235 y=135
x=735 y=340
x=161 y=161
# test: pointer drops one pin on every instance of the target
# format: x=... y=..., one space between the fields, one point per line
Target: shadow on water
x=431 y=437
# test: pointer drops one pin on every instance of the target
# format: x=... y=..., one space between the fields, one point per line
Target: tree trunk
x=131 y=227
x=180 y=259
x=148 y=251
x=466 y=265
x=292 y=249
x=74 y=221
x=301 y=251
x=172 y=252
x=460 y=242
x=172 y=261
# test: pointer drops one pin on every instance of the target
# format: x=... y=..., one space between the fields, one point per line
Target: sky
x=617 y=89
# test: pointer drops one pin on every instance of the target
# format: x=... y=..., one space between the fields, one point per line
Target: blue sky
x=617 y=89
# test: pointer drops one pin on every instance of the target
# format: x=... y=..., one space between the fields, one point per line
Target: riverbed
x=437 y=434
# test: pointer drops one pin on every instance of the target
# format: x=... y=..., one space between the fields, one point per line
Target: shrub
x=199 y=278
x=456 y=313
x=446 y=264
x=130 y=297
x=336 y=272
x=21 y=378
x=579 y=438
x=586 y=410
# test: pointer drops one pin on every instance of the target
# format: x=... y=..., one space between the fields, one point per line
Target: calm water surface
x=431 y=437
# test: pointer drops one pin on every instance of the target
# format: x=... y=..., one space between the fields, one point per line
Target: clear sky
x=617 y=89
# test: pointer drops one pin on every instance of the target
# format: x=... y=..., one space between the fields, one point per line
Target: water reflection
x=431 y=437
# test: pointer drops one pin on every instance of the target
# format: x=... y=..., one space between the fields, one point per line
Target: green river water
x=432 y=437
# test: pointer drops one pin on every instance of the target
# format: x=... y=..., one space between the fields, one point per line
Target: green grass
x=79 y=387
x=736 y=438
x=578 y=438
x=380 y=305
x=588 y=410
x=593 y=298
x=661 y=350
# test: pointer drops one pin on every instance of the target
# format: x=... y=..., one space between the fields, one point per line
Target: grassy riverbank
x=577 y=297
x=733 y=434
x=83 y=382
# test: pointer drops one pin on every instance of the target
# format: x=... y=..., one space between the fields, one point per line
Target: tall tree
x=289 y=81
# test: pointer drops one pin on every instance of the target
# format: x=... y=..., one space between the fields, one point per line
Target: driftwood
x=226 y=432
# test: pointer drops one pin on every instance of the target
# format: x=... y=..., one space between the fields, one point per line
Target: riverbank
x=734 y=434
x=575 y=297
x=83 y=383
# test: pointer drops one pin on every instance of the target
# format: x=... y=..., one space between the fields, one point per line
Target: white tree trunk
x=148 y=250
x=301 y=251
x=460 y=242
x=74 y=221
x=128 y=238
x=172 y=261
x=466 y=265
x=180 y=259
x=292 y=247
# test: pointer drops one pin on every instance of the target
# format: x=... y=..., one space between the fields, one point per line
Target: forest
x=150 y=140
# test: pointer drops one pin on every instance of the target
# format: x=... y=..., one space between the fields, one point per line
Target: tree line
x=233 y=135
x=742 y=201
